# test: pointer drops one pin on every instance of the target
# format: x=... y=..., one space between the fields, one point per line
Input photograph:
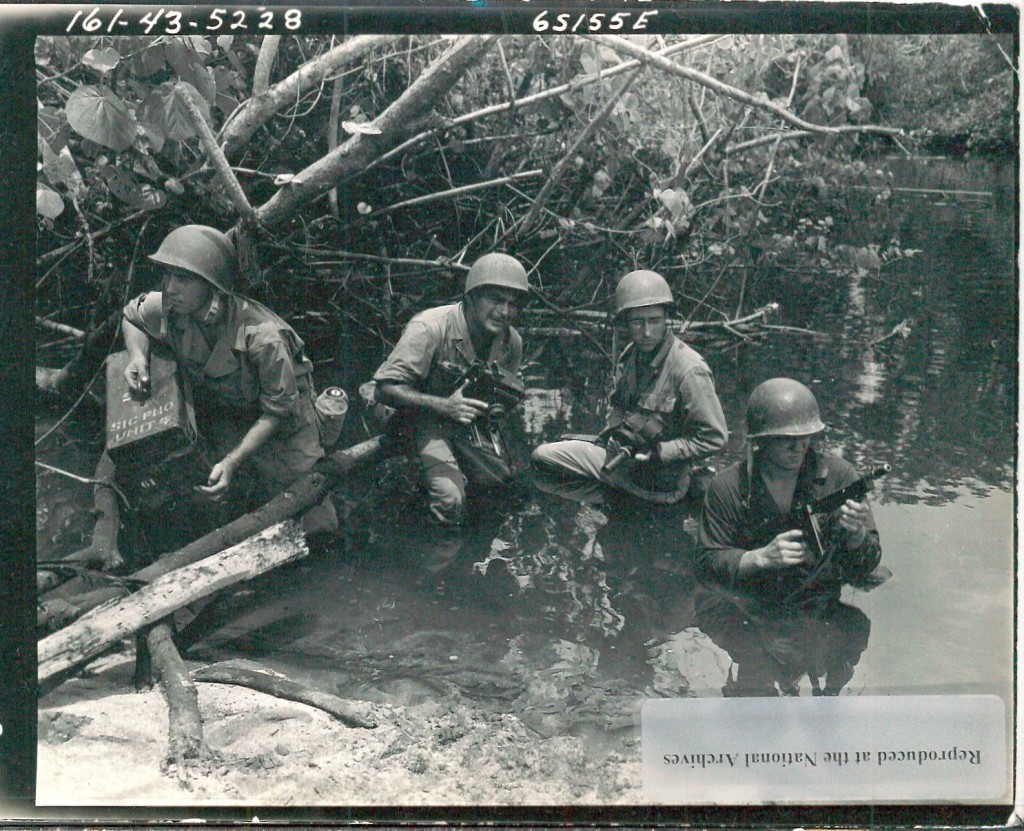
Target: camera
x=488 y=382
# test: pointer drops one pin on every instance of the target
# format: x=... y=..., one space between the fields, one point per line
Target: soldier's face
x=492 y=308
x=647 y=326
x=785 y=452
x=184 y=292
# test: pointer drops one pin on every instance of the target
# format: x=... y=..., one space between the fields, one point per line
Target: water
x=568 y=615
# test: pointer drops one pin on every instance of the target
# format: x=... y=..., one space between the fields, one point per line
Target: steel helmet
x=497 y=270
x=202 y=250
x=641 y=288
x=782 y=407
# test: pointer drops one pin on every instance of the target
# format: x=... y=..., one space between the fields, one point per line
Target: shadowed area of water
x=570 y=614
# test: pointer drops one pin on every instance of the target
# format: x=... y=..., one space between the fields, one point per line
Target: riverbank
x=102 y=744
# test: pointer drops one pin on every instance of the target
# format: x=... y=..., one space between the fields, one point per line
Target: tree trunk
x=94 y=632
x=395 y=123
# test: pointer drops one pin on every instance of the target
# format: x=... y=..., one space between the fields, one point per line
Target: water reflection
x=569 y=614
x=774 y=648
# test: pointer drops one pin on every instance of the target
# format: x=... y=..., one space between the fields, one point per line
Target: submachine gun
x=501 y=390
x=808 y=514
x=637 y=433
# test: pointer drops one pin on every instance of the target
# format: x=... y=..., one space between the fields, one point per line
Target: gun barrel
x=616 y=459
x=855 y=490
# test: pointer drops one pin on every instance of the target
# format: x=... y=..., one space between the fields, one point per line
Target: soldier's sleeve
x=703 y=430
x=146 y=312
x=411 y=359
x=718 y=553
x=268 y=350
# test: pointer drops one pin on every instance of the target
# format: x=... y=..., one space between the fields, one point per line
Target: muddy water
x=569 y=615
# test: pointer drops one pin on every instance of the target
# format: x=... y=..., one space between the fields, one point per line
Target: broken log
x=306 y=492
x=184 y=726
x=347 y=712
x=107 y=624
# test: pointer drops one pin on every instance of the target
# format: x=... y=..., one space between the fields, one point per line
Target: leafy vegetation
x=362 y=177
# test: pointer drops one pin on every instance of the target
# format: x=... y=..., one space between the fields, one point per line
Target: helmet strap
x=214 y=311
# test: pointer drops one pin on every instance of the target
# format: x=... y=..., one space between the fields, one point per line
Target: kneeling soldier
x=246 y=369
x=435 y=379
x=663 y=417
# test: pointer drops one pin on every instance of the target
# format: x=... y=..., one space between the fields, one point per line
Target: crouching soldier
x=448 y=360
x=755 y=531
x=245 y=368
x=664 y=415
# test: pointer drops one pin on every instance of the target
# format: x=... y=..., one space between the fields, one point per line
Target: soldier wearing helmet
x=437 y=346
x=250 y=380
x=748 y=539
x=663 y=391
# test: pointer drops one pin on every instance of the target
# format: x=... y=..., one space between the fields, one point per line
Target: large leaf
x=52 y=128
x=189 y=64
x=60 y=169
x=164 y=110
x=48 y=202
x=124 y=187
x=148 y=61
x=102 y=60
x=100 y=116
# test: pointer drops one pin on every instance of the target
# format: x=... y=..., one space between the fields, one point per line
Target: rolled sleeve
x=278 y=388
x=703 y=427
x=718 y=556
x=412 y=357
x=146 y=312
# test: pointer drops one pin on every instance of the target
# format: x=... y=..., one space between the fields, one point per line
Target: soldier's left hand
x=217 y=483
x=853 y=516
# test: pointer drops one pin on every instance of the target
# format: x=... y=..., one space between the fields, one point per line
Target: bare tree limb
x=248 y=118
x=444 y=194
x=393 y=124
x=264 y=64
x=620 y=44
x=219 y=161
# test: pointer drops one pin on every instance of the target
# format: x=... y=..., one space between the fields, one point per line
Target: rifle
x=500 y=389
x=636 y=434
x=808 y=514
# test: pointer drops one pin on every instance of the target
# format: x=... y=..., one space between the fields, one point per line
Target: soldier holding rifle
x=439 y=381
x=663 y=418
x=762 y=531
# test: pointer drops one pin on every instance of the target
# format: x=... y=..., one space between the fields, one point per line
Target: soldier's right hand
x=787 y=549
x=136 y=373
x=463 y=410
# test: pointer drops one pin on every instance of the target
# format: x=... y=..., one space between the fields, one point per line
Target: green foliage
x=953 y=91
x=666 y=181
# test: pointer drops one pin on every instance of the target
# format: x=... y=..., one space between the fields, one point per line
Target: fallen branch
x=347 y=712
x=390 y=127
x=303 y=494
x=620 y=44
x=444 y=194
x=218 y=159
x=184 y=726
x=64 y=329
x=248 y=117
x=105 y=625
